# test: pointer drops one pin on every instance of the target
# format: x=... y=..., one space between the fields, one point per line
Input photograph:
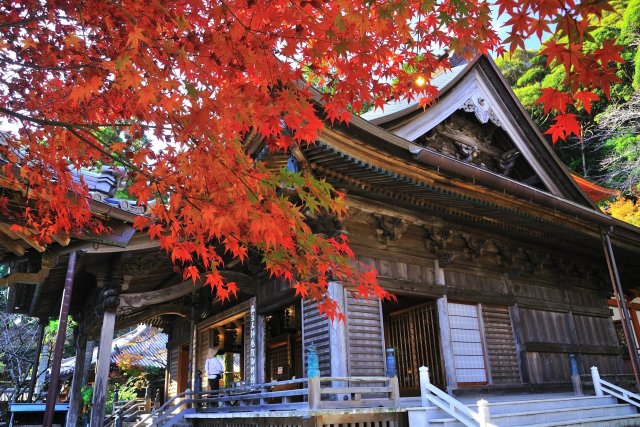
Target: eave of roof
x=392 y=146
x=593 y=190
x=559 y=174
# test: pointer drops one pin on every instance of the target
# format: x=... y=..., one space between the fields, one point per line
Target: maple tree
x=200 y=77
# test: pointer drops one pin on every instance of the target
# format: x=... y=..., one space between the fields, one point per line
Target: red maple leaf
x=563 y=126
x=553 y=99
x=585 y=98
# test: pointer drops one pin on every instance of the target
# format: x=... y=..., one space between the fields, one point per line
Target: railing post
x=197 y=388
x=118 y=419
x=147 y=398
x=116 y=394
x=187 y=394
x=483 y=411
x=314 y=393
x=424 y=380
x=313 y=374
x=156 y=402
x=575 y=376
x=595 y=375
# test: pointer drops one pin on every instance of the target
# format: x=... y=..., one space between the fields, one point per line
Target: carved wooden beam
x=151 y=312
x=141 y=299
x=47 y=263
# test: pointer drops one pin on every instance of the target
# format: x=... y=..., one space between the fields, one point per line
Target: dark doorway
x=411 y=328
x=283 y=342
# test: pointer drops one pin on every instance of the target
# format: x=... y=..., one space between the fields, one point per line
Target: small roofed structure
x=596 y=192
x=143 y=347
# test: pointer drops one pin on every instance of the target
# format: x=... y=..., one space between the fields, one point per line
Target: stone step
x=562 y=415
x=619 y=421
x=588 y=411
x=498 y=408
x=507 y=407
x=551 y=417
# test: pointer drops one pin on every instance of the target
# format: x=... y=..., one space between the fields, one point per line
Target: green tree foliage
x=591 y=156
x=630 y=32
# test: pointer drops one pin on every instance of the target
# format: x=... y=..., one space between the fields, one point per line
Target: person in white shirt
x=214 y=369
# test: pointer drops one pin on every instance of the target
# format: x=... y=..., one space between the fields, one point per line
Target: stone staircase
x=587 y=411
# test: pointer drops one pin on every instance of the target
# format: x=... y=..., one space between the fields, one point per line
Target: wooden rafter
x=31 y=242
x=12 y=245
x=62 y=240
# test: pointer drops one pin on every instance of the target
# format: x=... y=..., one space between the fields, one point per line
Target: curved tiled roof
x=144 y=346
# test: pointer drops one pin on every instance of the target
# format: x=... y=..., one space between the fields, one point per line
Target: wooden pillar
x=514 y=311
x=253 y=345
x=261 y=328
x=75 y=397
x=65 y=305
x=337 y=335
x=193 y=350
x=447 y=349
x=445 y=331
x=110 y=303
x=36 y=359
x=88 y=359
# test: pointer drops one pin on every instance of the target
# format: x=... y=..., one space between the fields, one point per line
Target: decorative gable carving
x=471 y=142
x=479 y=106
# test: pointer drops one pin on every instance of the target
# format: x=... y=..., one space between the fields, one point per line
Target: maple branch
x=73 y=129
x=3 y=58
x=20 y=22
x=49 y=122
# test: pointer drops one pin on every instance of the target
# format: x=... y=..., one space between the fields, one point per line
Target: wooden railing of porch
x=304 y=395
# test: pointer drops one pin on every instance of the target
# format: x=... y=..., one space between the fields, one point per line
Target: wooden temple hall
x=501 y=263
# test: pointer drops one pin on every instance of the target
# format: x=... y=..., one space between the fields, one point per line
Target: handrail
x=278 y=395
x=126 y=409
x=162 y=408
x=601 y=386
x=451 y=406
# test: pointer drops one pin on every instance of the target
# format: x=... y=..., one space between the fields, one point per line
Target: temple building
x=501 y=262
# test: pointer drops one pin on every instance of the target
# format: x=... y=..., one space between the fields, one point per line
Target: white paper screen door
x=466 y=343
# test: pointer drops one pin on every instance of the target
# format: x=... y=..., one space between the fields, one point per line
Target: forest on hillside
x=608 y=151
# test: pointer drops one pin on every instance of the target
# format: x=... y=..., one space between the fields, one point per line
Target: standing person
x=214 y=369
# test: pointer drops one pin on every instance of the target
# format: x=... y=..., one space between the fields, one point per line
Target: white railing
x=126 y=411
x=467 y=416
x=601 y=387
x=303 y=394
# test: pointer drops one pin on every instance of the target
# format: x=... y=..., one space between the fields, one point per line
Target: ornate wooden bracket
x=327 y=224
x=389 y=229
x=474 y=246
x=436 y=238
x=446 y=258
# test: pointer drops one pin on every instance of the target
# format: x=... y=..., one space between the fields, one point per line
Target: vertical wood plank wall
x=179 y=335
x=501 y=347
x=202 y=351
x=315 y=330
x=365 y=336
x=173 y=372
